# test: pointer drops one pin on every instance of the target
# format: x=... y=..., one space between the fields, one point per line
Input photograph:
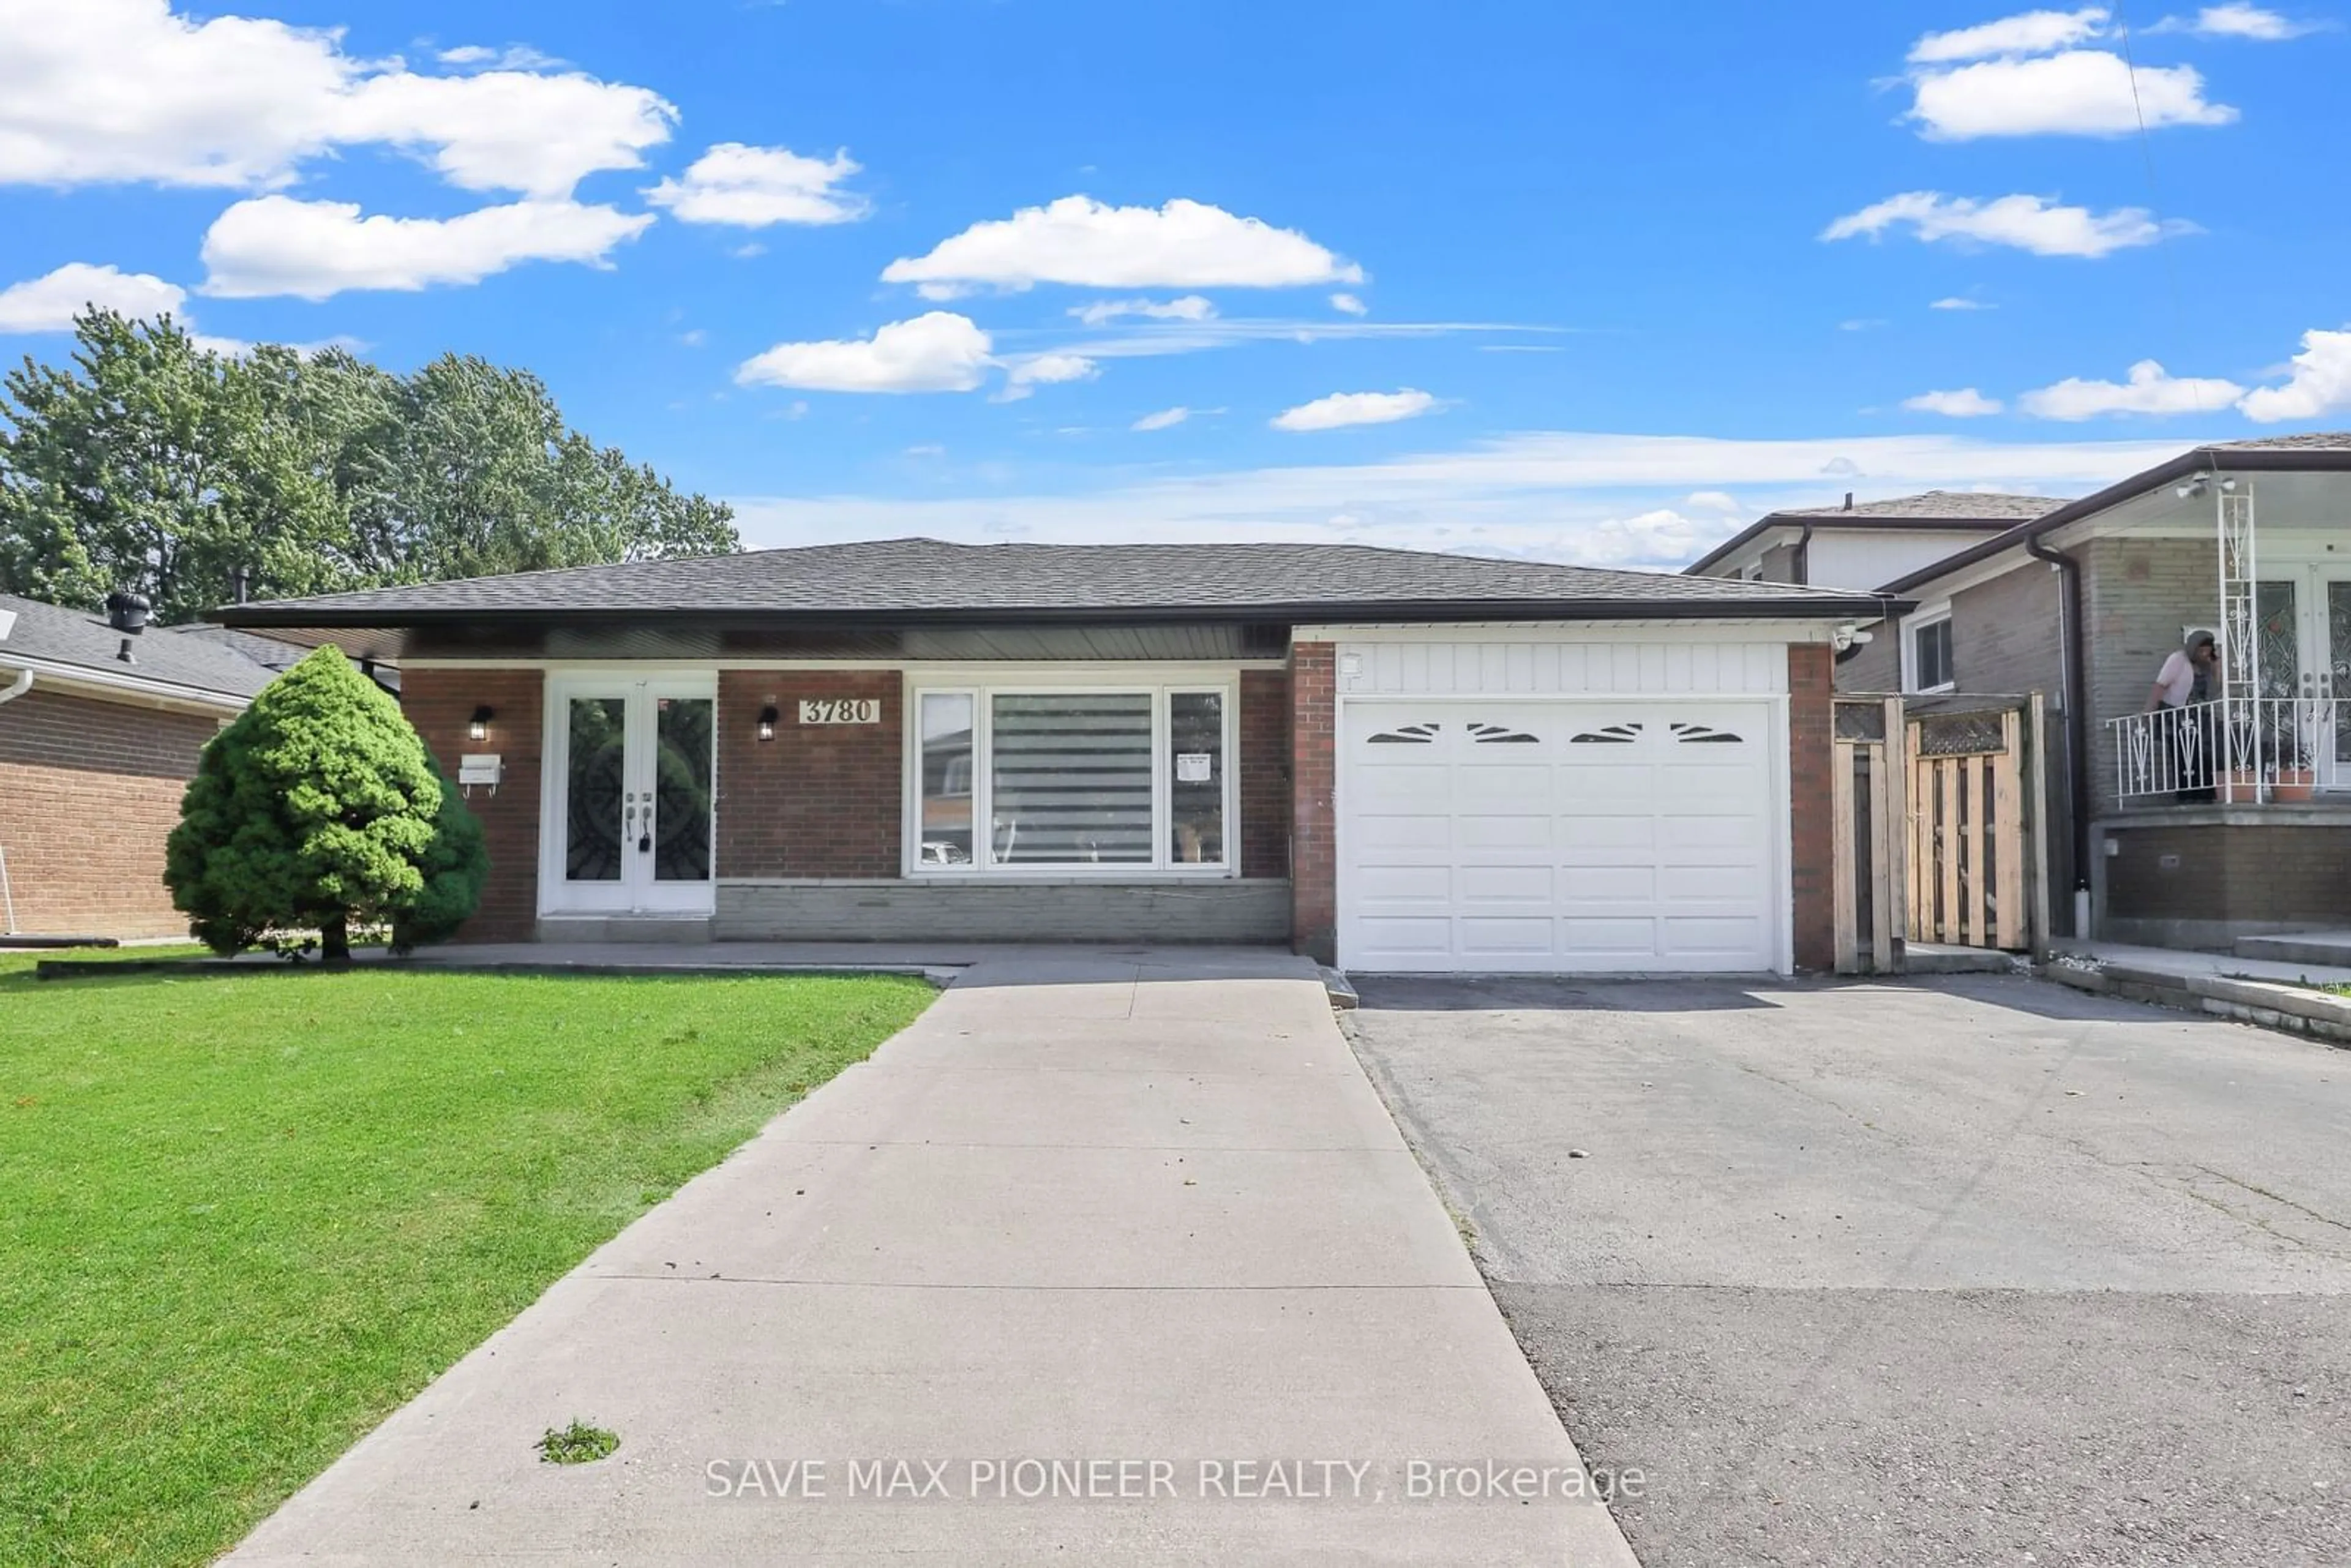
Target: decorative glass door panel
x=595 y=763
x=2332 y=684
x=631 y=797
x=681 y=789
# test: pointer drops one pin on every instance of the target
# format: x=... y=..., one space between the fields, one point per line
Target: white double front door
x=628 y=817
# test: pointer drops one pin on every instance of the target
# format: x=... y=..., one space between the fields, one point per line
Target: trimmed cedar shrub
x=320 y=808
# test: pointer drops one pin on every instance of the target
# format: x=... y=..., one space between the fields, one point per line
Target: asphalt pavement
x=1976 y=1270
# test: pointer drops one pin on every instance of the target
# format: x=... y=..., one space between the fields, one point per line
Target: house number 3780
x=840 y=710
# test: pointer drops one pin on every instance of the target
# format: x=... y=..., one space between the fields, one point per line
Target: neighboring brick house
x=2151 y=833
x=1389 y=759
x=100 y=730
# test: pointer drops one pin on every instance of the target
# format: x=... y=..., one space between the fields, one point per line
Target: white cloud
x=752 y=187
x=1051 y=368
x=2239 y=21
x=1966 y=403
x=1078 y=240
x=2320 y=382
x=50 y=302
x=1166 y=419
x=1960 y=302
x=1541 y=495
x=1862 y=324
x=2035 y=223
x=2081 y=92
x=111 y=90
x=509 y=131
x=1189 y=307
x=1021 y=377
x=1342 y=409
x=512 y=57
x=276 y=244
x=1714 y=501
x=1350 y=305
x=2150 y=390
x=937 y=352
x=2033 y=33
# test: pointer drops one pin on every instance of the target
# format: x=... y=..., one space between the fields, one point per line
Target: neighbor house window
x=1106 y=778
x=1930 y=655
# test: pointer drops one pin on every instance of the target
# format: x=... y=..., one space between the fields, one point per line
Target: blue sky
x=1582 y=283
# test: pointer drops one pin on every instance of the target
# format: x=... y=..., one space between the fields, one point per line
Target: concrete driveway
x=1977 y=1271
x=1135 y=1234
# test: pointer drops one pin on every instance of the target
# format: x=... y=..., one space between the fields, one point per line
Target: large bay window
x=1095 y=779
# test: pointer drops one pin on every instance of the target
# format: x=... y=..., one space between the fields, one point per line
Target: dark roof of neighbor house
x=1972 y=509
x=2318 y=450
x=929 y=581
x=81 y=639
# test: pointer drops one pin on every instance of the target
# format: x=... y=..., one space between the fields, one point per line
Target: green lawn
x=243 y=1218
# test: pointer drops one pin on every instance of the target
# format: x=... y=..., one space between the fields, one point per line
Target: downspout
x=1803 y=554
x=2077 y=723
x=8 y=694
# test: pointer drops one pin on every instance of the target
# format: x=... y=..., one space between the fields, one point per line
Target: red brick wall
x=1313 y=844
x=1265 y=773
x=819 y=799
x=1812 y=827
x=89 y=791
x=440 y=703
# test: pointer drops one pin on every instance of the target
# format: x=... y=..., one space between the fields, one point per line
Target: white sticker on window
x=1192 y=767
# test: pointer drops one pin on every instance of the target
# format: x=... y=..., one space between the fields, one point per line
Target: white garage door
x=1583 y=836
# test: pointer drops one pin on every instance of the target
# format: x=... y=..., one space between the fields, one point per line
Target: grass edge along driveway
x=246 y=1216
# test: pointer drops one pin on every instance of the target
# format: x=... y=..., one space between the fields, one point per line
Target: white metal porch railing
x=2239 y=749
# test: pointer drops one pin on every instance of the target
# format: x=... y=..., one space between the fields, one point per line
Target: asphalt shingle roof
x=78 y=637
x=1939 y=507
x=885 y=577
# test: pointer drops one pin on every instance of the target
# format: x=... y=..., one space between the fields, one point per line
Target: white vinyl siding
x=1566 y=669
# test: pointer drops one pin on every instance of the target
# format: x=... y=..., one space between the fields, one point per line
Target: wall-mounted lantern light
x=478 y=728
x=768 y=722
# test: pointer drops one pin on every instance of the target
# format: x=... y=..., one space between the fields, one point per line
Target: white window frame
x=1163 y=865
x=1939 y=615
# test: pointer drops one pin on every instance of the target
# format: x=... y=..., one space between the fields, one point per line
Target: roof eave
x=2273 y=460
x=1817 y=605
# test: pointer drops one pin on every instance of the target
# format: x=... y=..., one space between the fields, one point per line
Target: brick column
x=1265 y=763
x=1313 y=846
x=1811 y=802
x=441 y=703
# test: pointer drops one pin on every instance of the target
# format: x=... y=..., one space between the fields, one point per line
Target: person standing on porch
x=2184 y=684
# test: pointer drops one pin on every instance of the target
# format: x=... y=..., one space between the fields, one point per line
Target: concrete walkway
x=1146 y=1219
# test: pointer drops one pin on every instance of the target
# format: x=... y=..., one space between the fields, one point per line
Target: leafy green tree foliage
x=320 y=807
x=454 y=867
x=153 y=463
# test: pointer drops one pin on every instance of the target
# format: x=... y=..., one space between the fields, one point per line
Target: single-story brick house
x=101 y=719
x=1389 y=760
x=2231 y=817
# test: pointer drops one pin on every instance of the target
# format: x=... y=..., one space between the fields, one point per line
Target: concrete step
x=2332 y=948
x=1947 y=958
x=624 y=928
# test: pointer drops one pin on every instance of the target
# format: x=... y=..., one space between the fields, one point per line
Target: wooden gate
x=1937 y=832
x=1970 y=828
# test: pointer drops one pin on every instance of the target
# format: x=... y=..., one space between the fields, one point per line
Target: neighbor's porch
x=2228 y=818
